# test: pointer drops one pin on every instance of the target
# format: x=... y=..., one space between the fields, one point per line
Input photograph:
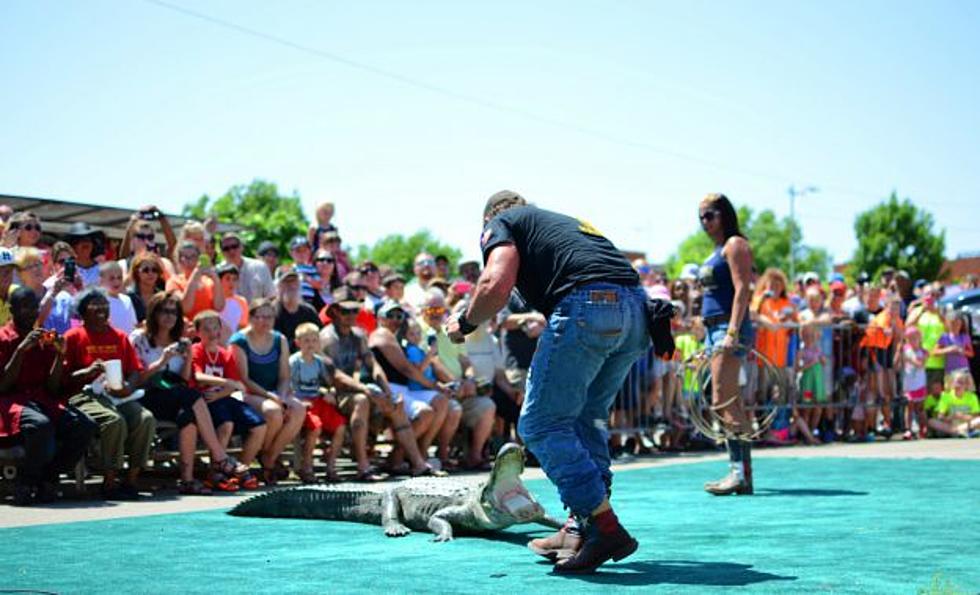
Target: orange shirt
x=880 y=334
x=203 y=296
x=774 y=343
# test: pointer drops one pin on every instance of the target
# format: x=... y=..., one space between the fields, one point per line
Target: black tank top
x=390 y=371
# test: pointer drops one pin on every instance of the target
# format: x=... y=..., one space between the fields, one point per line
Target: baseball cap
x=837 y=277
x=6 y=258
x=838 y=287
x=226 y=268
x=344 y=297
x=285 y=272
x=298 y=242
x=689 y=272
x=267 y=246
x=811 y=277
x=392 y=278
x=921 y=283
x=389 y=306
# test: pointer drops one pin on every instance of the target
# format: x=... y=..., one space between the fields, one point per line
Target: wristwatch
x=465 y=326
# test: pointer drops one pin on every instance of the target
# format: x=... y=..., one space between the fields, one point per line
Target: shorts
x=916 y=396
x=812 y=385
x=345 y=403
x=885 y=357
x=230 y=409
x=323 y=415
x=660 y=367
x=746 y=337
x=474 y=408
x=416 y=401
x=171 y=404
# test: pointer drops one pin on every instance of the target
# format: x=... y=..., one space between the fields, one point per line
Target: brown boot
x=730 y=484
x=560 y=545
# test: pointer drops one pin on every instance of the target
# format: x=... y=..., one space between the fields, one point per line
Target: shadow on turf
x=806 y=492
x=679 y=572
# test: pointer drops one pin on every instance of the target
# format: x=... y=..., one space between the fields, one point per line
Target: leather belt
x=607 y=296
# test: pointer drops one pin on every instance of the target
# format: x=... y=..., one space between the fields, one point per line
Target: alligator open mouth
x=506 y=492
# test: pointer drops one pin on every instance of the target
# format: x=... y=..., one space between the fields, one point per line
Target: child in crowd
x=311 y=374
x=955 y=343
x=122 y=315
x=812 y=389
x=958 y=411
x=914 y=381
x=216 y=375
x=324 y=218
x=414 y=354
x=235 y=313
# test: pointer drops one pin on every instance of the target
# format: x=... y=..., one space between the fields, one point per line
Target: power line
x=503 y=108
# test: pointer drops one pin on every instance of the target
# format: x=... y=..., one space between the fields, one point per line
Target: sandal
x=193 y=487
x=230 y=466
x=369 y=476
x=428 y=471
x=308 y=477
x=248 y=481
x=221 y=482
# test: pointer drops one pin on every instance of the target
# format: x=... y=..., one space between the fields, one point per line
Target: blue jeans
x=581 y=361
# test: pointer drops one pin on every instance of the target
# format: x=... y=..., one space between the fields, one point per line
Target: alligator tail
x=314 y=503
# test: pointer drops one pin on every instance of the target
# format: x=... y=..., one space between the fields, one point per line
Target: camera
x=149 y=214
x=69 y=273
x=184 y=345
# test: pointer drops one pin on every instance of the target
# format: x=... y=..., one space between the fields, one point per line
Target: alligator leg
x=442 y=521
x=390 y=515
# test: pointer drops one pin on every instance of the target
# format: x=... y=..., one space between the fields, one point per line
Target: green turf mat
x=815 y=525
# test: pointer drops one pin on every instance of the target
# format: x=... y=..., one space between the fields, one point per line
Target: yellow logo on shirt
x=586 y=227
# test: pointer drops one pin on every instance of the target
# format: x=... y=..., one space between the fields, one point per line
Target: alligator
x=440 y=505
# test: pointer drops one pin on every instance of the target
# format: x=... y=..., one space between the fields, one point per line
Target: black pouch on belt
x=659 y=313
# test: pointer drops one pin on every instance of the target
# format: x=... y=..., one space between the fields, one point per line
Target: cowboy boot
x=605 y=539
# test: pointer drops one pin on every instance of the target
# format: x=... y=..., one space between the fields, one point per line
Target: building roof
x=57 y=215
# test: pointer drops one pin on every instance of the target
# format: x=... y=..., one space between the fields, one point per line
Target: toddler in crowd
x=812 y=361
x=914 y=381
x=416 y=356
x=324 y=216
x=122 y=315
x=311 y=374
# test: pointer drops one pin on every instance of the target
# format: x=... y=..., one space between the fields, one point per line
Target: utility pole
x=795 y=192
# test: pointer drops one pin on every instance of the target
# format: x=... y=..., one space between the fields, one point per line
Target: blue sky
x=621 y=112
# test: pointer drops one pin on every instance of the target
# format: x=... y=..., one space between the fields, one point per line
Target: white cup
x=113 y=374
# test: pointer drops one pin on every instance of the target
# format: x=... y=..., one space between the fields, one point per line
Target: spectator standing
x=235 y=313
x=145 y=280
x=926 y=317
x=326 y=269
x=882 y=337
x=196 y=283
x=914 y=381
x=87 y=244
x=291 y=310
x=32 y=408
x=262 y=355
x=312 y=376
x=269 y=254
x=28 y=228
x=122 y=315
x=310 y=281
x=125 y=428
x=140 y=238
x=56 y=305
x=955 y=344
x=254 y=277
x=776 y=316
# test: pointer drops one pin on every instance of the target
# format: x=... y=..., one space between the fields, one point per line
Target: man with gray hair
x=596 y=311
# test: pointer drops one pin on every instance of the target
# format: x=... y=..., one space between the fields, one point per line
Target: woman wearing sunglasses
x=145 y=280
x=725 y=277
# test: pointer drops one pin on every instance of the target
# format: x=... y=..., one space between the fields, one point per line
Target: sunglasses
x=230 y=247
x=170 y=311
x=368 y=270
x=434 y=311
x=146 y=237
x=29 y=227
x=396 y=315
x=708 y=216
x=325 y=259
x=427 y=263
x=187 y=256
x=147 y=270
x=348 y=311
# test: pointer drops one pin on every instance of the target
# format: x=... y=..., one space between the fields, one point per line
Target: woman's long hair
x=729 y=217
x=138 y=262
x=157 y=302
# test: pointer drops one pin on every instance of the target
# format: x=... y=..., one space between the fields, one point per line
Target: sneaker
x=907 y=435
x=560 y=545
x=598 y=548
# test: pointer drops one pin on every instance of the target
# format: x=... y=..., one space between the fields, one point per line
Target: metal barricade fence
x=660 y=392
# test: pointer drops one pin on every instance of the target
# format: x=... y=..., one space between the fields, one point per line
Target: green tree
x=898 y=234
x=399 y=251
x=260 y=208
x=770 y=240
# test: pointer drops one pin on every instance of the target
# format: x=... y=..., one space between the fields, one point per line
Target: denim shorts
x=746 y=337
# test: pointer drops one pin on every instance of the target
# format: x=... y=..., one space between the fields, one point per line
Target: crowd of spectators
x=101 y=344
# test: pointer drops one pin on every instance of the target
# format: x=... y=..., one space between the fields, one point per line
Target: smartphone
x=204 y=261
x=70 y=269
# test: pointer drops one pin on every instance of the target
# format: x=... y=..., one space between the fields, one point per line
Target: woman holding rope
x=725 y=277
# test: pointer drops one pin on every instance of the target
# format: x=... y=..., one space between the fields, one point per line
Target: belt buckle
x=603 y=296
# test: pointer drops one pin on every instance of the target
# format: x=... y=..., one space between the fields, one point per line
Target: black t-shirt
x=557 y=252
x=287 y=322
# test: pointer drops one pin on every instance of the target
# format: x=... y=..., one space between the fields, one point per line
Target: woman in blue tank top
x=725 y=277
